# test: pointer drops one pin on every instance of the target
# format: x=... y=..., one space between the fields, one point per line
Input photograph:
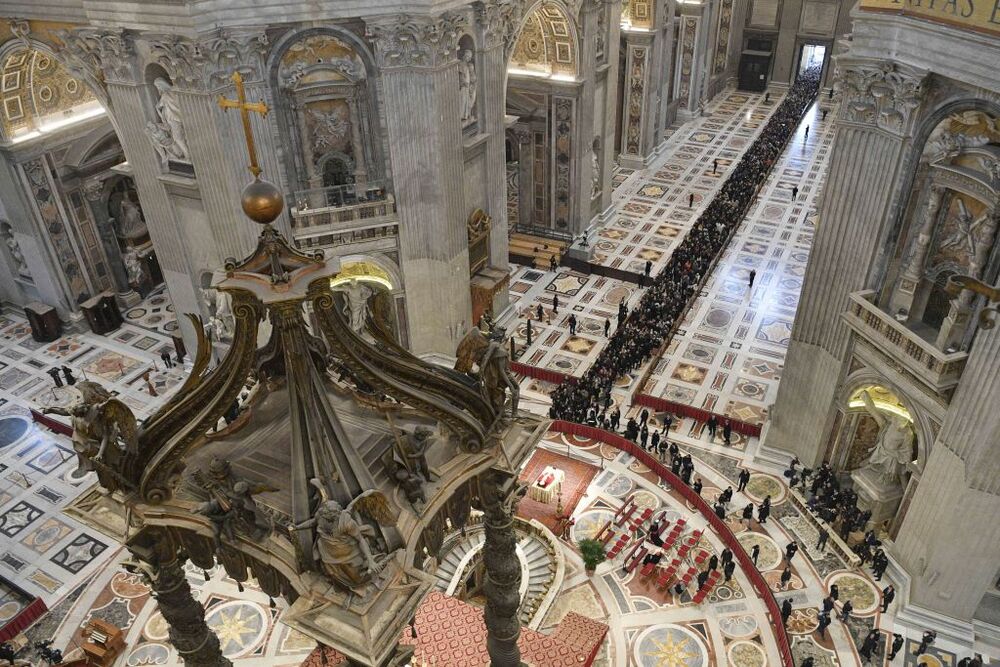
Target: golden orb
x=262 y=201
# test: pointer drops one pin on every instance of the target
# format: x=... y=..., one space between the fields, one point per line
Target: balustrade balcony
x=342 y=215
x=938 y=369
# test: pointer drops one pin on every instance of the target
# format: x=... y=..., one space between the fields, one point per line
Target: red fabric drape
x=52 y=424
x=718 y=525
x=555 y=377
x=663 y=405
x=23 y=620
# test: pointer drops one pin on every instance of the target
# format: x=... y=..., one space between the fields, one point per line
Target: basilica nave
x=535 y=333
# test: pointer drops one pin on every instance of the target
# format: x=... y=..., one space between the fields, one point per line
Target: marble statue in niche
x=134 y=267
x=595 y=174
x=467 y=83
x=131 y=224
x=20 y=264
x=168 y=134
x=894 y=447
x=356 y=295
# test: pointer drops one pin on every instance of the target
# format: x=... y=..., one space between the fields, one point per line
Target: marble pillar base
x=875 y=495
x=129 y=299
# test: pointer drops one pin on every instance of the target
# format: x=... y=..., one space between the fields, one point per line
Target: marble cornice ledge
x=409 y=41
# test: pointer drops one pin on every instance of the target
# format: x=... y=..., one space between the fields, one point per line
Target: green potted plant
x=592 y=553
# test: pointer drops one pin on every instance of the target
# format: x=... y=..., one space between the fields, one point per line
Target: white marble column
x=419 y=82
x=490 y=116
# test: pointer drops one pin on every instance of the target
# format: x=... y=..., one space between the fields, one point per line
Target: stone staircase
x=542 y=565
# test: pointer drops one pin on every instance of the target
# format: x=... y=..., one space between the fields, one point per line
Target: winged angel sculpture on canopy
x=104 y=432
x=344 y=544
x=484 y=357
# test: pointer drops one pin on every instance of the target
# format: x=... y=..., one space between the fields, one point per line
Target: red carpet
x=578 y=476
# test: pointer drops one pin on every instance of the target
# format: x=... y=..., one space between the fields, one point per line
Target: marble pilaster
x=638 y=110
x=419 y=83
x=491 y=117
x=93 y=192
x=902 y=298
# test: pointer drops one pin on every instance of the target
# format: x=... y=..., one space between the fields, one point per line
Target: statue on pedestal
x=894 y=448
x=130 y=222
x=134 y=267
x=356 y=296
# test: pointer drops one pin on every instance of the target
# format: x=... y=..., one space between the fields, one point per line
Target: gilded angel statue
x=105 y=432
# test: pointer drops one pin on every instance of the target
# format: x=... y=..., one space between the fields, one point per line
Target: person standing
x=691 y=200
x=824 y=535
x=167 y=361
x=727 y=432
x=715 y=165
x=835 y=591
x=845 y=611
x=696 y=487
x=539 y=312
x=753 y=276
x=795 y=192
x=555 y=304
x=607 y=327
x=790 y=551
x=807 y=131
x=655 y=442
x=786 y=611
x=572 y=325
x=728 y=570
x=727 y=555
x=644 y=416
x=748 y=514
x=553 y=264
x=68 y=373
x=870 y=645
x=649 y=268
x=713 y=562
x=897 y=643
x=755 y=553
x=54 y=374
x=888 y=595
x=762 y=512
x=644 y=437
x=824 y=623
x=713 y=424
x=827 y=605
x=786 y=576
x=743 y=480
x=925 y=642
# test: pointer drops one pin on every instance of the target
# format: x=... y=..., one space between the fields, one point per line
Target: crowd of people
x=648 y=325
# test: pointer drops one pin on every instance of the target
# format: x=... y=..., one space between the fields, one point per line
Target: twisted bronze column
x=499 y=495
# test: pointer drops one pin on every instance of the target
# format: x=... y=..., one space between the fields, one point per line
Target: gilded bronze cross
x=245 y=108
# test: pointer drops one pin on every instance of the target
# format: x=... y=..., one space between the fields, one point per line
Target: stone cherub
x=407 y=464
x=894 y=448
x=104 y=432
x=344 y=543
x=489 y=354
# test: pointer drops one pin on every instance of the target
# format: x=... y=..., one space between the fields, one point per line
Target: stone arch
x=38 y=91
x=902 y=198
x=323 y=83
x=547 y=40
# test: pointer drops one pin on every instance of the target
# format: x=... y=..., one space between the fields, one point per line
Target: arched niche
x=370 y=292
x=949 y=226
x=327 y=115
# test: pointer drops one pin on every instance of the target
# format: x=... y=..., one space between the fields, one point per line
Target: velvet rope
x=663 y=405
x=23 y=620
x=718 y=525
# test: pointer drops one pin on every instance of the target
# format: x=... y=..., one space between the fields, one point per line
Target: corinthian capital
x=416 y=41
x=881 y=93
x=499 y=21
x=209 y=61
x=96 y=56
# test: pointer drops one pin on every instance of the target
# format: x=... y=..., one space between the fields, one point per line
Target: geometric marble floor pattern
x=652 y=216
